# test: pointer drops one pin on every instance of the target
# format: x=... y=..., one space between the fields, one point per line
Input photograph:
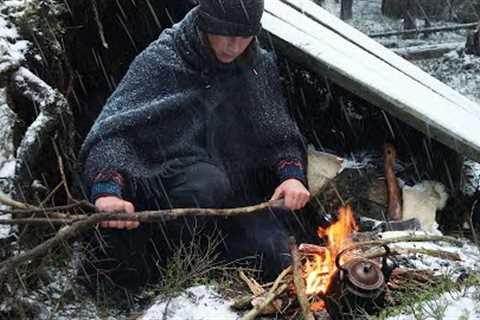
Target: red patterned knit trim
x=110 y=176
x=285 y=163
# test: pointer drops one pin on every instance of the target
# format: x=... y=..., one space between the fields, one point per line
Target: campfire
x=339 y=278
x=320 y=266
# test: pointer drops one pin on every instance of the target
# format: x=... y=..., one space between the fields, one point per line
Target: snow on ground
x=462 y=305
x=196 y=303
x=12 y=47
x=469 y=254
x=203 y=302
x=7 y=159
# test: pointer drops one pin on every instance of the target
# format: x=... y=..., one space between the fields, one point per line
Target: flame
x=320 y=268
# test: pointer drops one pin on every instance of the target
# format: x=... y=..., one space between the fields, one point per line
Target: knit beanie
x=230 y=17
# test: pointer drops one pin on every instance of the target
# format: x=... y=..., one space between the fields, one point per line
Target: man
x=199 y=120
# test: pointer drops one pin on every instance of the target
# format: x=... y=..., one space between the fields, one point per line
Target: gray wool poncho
x=178 y=105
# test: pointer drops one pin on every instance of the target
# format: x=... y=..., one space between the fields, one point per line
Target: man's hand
x=115 y=204
x=294 y=192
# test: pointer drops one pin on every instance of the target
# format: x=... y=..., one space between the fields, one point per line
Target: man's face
x=226 y=48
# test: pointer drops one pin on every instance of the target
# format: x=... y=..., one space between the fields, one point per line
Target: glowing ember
x=320 y=268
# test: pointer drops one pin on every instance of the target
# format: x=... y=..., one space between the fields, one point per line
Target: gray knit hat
x=230 y=17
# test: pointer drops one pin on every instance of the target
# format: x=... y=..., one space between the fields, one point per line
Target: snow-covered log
x=429 y=30
x=428 y=51
x=54 y=113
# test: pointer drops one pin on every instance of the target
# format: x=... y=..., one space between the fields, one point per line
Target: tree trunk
x=473 y=42
x=409 y=20
x=346 y=9
x=418 y=8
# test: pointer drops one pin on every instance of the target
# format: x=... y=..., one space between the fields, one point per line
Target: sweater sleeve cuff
x=290 y=169
x=107 y=184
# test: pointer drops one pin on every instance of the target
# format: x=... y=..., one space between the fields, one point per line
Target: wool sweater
x=177 y=105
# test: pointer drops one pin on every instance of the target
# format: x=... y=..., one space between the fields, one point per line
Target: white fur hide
x=322 y=167
x=422 y=202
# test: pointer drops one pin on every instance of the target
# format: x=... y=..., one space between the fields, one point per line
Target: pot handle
x=384 y=256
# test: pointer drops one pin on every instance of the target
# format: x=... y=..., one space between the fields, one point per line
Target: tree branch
x=85 y=222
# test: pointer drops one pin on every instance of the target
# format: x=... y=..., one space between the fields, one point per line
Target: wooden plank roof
x=330 y=47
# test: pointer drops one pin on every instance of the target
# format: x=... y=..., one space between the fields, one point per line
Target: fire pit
x=343 y=278
x=338 y=277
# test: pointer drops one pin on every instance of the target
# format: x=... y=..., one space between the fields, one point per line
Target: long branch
x=87 y=222
x=406 y=239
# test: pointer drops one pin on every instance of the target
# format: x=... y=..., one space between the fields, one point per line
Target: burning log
x=393 y=190
x=298 y=280
x=311 y=249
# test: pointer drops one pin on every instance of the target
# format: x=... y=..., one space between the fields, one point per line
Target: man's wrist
x=107 y=184
x=291 y=169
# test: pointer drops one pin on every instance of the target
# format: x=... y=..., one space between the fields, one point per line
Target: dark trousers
x=130 y=258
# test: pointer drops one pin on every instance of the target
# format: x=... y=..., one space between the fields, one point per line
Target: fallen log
x=424 y=30
x=428 y=51
x=55 y=114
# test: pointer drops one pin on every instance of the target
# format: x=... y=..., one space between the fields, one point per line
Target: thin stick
x=62 y=171
x=434 y=253
x=243 y=302
x=470 y=222
x=280 y=277
x=6 y=200
x=30 y=210
x=54 y=190
x=253 y=285
x=96 y=15
x=406 y=239
x=269 y=297
x=298 y=280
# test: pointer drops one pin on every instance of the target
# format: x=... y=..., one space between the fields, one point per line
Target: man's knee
x=206 y=185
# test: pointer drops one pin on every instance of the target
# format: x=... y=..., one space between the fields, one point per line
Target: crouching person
x=199 y=120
